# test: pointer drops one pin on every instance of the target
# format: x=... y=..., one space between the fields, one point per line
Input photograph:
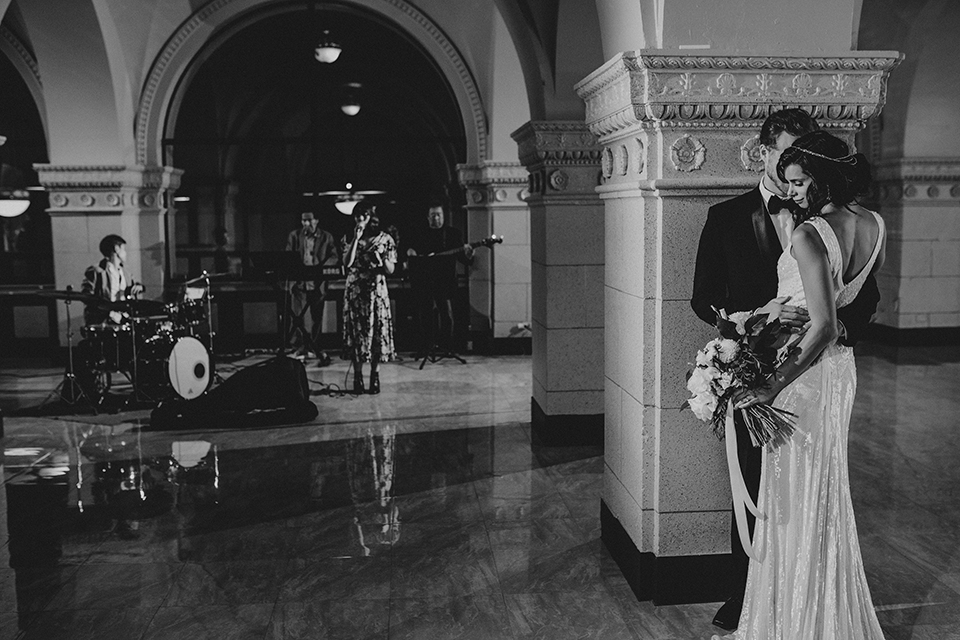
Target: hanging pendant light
x=351 y=102
x=328 y=50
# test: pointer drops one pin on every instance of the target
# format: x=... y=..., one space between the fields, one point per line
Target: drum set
x=163 y=349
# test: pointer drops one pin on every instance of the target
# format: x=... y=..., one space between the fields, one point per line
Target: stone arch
x=215 y=22
x=26 y=65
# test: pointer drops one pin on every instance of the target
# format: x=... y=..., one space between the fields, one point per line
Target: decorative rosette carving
x=559 y=180
x=687 y=153
x=750 y=156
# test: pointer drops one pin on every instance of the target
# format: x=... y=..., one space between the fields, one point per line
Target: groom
x=737 y=271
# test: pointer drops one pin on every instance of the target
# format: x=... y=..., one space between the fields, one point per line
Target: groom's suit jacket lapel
x=764 y=231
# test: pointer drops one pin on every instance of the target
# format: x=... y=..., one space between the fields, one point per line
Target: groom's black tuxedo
x=737 y=271
x=737 y=266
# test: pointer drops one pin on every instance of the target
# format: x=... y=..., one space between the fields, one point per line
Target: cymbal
x=204 y=277
x=136 y=308
x=67 y=294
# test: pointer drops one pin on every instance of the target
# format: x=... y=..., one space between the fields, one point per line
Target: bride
x=809 y=582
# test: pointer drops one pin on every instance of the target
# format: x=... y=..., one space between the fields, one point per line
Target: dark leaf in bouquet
x=755 y=324
x=685 y=405
x=689 y=375
x=728 y=329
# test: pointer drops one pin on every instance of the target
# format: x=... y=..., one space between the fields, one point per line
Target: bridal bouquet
x=743 y=357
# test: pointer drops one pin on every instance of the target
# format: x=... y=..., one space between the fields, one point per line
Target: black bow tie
x=775 y=205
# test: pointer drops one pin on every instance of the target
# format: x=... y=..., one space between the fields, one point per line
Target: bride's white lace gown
x=810 y=583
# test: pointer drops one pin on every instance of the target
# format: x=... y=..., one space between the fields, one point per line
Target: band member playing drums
x=108 y=281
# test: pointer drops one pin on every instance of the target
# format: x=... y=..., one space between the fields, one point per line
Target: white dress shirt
x=782 y=222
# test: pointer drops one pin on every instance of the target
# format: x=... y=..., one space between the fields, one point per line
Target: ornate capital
x=647 y=90
x=487 y=183
x=556 y=142
x=76 y=188
x=562 y=155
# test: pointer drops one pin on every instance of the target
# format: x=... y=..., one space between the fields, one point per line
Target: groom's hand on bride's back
x=791 y=317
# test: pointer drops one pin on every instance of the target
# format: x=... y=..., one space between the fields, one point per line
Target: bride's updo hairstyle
x=838 y=176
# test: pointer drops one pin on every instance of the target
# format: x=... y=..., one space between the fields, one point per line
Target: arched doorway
x=258 y=130
x=26 y=251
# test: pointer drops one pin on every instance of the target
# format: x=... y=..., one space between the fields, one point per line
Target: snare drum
x=178 y=365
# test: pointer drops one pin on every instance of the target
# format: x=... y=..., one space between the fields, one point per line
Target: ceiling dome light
x=346 y=205
x=351 y=108
x=13 y=207
x=14 y=199
x=328 y=50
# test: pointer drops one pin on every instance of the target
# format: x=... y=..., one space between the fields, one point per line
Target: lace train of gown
x=810 y=583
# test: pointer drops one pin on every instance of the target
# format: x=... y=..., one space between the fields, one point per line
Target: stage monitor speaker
x=269 y=393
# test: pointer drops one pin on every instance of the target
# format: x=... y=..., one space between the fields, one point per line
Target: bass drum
x=181 y=366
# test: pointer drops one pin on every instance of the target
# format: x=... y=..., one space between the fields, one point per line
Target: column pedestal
x=680 y=133
x=88 y=203
x=566 y=227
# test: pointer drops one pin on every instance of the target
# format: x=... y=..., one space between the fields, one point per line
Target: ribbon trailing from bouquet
x=741 y=497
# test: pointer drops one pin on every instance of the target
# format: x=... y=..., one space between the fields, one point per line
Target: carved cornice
x=920 y=180
x=919 y=169
x=641 y=89
x=502 y=183
x=80 y=187
x=492 y=173
x=556 y=142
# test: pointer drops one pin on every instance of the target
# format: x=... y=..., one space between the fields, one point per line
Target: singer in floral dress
x=369 y=255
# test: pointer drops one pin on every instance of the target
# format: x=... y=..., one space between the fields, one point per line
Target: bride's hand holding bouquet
x=735 y=369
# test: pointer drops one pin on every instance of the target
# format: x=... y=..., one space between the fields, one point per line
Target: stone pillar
x=679 y=133
x=566 y=247
x=920 y=280
x=499 y=277
x=90 y=202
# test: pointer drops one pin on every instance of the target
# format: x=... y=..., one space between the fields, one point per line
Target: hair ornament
x=850 y=159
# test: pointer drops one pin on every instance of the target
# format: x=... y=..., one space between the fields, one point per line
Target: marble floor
x=424 y=512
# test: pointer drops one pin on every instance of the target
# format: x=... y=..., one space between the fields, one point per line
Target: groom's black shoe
x=728 y=616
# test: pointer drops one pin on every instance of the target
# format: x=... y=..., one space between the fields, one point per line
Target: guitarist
x=433 y=279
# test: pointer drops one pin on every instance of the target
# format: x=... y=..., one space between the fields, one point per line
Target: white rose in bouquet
x=726 y=381
x=727 y=350
x=700 y=379
x=703 y=406
x=704 y=357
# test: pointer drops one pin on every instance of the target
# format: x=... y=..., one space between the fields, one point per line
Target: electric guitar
x=486 y=242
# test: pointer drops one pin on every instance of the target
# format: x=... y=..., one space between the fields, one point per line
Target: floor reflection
x=405 y=517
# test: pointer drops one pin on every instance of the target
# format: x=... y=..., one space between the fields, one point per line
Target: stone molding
x=563 y=157
x=204 y=25
x=565 y=142
x=10 y=40
x=645 y=90
x=494 y=183
x=919 y=179
x=107 y=187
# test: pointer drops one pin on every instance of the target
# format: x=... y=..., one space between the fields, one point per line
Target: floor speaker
x=269 y=393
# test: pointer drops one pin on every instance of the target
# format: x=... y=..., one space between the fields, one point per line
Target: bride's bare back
x=856 y=229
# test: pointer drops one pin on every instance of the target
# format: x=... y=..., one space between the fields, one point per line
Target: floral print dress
x=367 y=322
